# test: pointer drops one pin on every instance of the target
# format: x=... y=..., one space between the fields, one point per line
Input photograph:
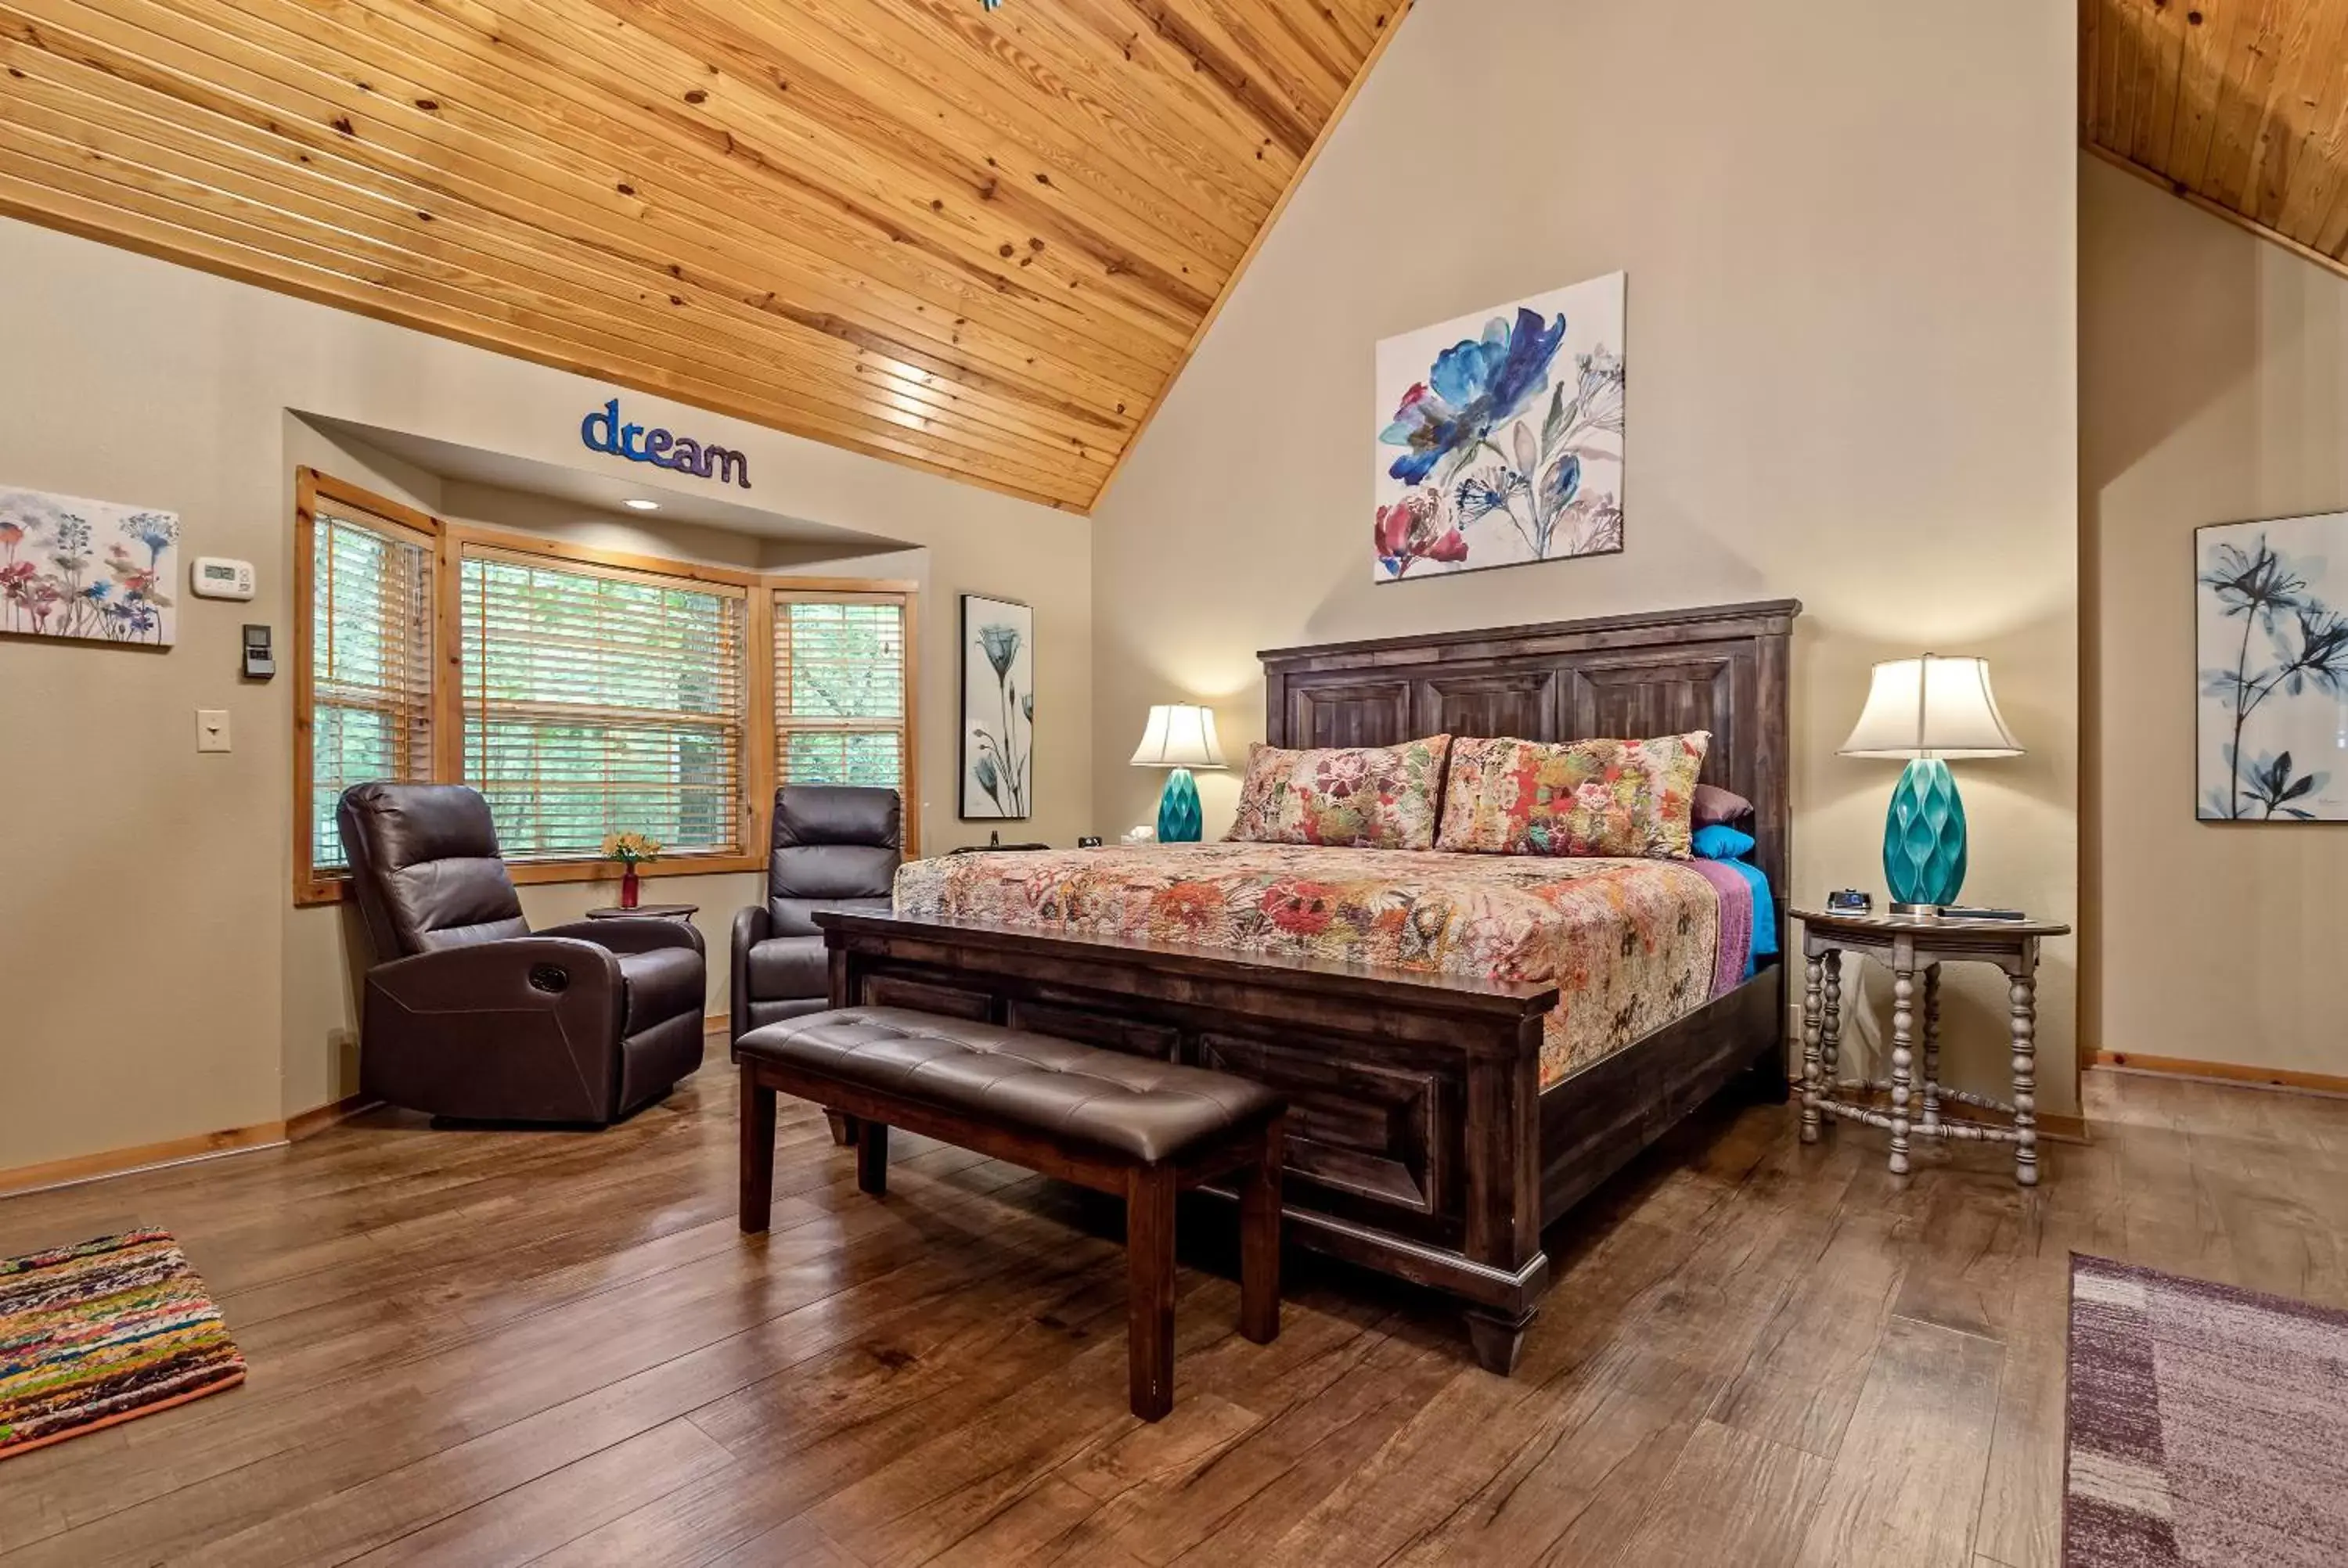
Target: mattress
x=1631 y=945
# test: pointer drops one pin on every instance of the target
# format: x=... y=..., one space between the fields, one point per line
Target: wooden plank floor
x=508 y=1347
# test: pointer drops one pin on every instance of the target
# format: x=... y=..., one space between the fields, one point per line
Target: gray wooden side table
x=1914 y=949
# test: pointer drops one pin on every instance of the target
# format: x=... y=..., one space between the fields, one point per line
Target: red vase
x=628 y=889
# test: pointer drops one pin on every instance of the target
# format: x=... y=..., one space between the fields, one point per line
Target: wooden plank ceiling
x=2239 y=106
x=980 y=243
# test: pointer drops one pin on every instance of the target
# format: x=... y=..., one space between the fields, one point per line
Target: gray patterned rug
x=2207 y=1425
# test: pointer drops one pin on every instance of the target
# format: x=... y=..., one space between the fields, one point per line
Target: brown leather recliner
x=836 y=847
x=471 y=1015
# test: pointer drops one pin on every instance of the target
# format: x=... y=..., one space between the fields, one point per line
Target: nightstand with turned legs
x=1913 y=949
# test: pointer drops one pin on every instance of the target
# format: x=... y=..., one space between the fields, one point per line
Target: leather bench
x=1117 y=1124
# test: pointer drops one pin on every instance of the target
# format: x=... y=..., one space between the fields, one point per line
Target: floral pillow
x=1580 y=797
x=1367 y=797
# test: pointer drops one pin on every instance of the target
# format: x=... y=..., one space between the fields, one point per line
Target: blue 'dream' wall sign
x=603 y=432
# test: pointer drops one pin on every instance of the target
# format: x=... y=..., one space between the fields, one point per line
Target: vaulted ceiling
x=2240 y=106
x=979 y=242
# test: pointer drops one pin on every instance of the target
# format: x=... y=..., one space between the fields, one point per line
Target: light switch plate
x=211 y=729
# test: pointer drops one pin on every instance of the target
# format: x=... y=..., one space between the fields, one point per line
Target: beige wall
x=1848 y=228
x=156 y=982
x=2213 y=388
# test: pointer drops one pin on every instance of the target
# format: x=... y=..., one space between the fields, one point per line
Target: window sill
x=532 y=873
x=541 y=873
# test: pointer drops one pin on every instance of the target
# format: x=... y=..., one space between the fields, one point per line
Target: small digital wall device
x=212 y=577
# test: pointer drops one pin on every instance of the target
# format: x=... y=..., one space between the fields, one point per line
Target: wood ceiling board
x=497 y=319
x=996 y=103
x=1207 y=323
x=392 y=221
x=543 y=121
x=241 y=249
x=2289 y=143
x=2239 y=106
x=446 y=166
x=230 y=209
x=786 y=142
x=980 y=245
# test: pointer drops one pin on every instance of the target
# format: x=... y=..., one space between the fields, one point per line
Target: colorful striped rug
x=103 y=1332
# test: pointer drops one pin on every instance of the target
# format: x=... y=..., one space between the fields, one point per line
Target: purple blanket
x=1735 y=925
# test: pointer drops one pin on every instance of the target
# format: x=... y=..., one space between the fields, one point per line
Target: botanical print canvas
x=1500 y=437
x=998 y=708
x=90 y=570
x=2273 y=647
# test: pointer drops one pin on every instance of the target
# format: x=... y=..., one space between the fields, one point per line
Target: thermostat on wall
x=217 y=578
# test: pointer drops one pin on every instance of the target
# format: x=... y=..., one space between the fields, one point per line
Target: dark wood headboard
x=1722 y=668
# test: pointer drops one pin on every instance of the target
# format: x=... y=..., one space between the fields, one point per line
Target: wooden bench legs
x=1259 y=1239
x=1149 y=1290
x=757 y=1119
x=1150 y=1193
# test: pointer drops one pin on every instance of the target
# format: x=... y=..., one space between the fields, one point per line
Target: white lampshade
x=1180 y=735
x=1931 y=707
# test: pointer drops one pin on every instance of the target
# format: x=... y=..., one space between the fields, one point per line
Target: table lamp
x=1182 y=736
x=1928 y=710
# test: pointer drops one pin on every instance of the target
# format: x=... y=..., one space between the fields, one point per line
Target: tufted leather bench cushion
x=1132 y=1107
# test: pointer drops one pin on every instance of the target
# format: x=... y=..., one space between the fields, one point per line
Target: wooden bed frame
x=1421 y=1142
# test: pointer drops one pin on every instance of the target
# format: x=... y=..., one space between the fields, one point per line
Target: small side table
x=1912 y=948
x=645 y=912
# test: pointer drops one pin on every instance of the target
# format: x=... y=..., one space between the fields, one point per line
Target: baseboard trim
x=318 y=1118
x=81 y=1168
x=2224 y=1072
x=2061 y=1129
x=187 y=1151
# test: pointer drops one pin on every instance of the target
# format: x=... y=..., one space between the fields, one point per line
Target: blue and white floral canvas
x=2273 y=649
x=998 y=708
x=90 y=570
x=1500 y=437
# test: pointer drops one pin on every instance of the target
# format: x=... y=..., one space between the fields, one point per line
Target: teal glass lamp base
x=1179 y=821
x=1925 y=835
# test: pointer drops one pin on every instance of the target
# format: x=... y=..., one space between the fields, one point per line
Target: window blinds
x=598 y=700
x=840 y=689
x=370 y=664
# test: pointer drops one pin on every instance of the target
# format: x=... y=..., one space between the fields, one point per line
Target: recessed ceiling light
x=638 y=504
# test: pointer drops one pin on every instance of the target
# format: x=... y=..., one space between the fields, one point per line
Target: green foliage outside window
x=600 y=703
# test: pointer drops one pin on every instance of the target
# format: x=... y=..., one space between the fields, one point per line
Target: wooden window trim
x=311 y=887
x=907 y=593
x=448 y=685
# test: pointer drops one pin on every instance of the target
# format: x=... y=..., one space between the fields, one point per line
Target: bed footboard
x=1417 y=1125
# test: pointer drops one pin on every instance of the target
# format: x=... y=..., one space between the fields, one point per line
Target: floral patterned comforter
x=1631 y=944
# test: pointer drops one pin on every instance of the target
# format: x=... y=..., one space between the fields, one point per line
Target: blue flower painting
x=1500 y=440
x=998 y=708
x=2273 y=645
x=96 y=570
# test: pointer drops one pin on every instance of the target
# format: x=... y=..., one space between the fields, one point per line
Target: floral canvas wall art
x=2272 y=645
x=1500 y=437
x=998 y=708
x=90 y=570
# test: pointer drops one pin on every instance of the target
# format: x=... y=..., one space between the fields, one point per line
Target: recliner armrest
x=540 y=972
x=752 y=925
x=638 y=934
